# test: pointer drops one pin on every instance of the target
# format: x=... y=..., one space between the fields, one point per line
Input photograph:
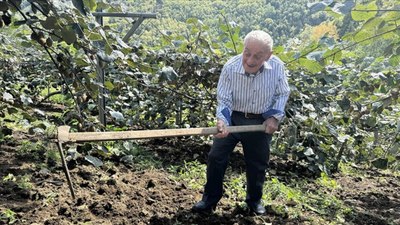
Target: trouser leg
x=217 y=163
x=256 y=152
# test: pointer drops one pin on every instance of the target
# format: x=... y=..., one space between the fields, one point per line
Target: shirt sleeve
x=224 y=97
x=281 y=96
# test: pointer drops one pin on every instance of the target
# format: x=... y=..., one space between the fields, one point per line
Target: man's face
x=254 y=56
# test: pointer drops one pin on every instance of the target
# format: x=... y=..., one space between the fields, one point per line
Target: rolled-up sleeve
x=224 y=97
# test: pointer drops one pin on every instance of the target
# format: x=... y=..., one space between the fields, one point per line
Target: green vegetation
x=342 y=107
x=7 y=216
x=283 y=199
x=342 y=59
x=22 y=182
x=192 y=173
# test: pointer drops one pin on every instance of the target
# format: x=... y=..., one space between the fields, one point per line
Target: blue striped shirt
x=259 y=93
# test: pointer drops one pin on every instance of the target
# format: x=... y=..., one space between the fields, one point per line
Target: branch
x=376 y=10
x=230 y=33
x=48 y=96
x=356 y=43
x=50 y=55
x=305 y=54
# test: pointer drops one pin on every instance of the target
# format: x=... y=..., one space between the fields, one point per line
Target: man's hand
x=222 y=131
x=271 y=125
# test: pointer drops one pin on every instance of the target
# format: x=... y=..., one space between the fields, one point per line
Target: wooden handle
x=65 y=136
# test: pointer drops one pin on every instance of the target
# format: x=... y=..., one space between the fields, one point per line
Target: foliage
x=283 y=19
x=342 y=107
x=192 y=173
x=8 y=216
x=22 y=182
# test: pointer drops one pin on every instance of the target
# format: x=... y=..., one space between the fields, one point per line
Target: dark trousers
x=256 y=154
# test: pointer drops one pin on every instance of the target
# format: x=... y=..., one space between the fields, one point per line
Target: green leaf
x=168 y=74
x=380 y=163
x=361 y=35
x=344 y=103
x=333 y=56
x=316 y=56
x=3 y=6
x=394 y=60
x=80 y=6
x=12 y=110
x=388 y=32
x=109 y=85
x=398 y=126
x=371 y=121
x=388 y=16
x=68 y=35
x=108 y=49
x=82 y=62
x=118 y=116
x=90 y=4
x=364 y=12
x=50 y=23
x=372 y=24
x=310 y=65
x=94 y=160
x=95 y=36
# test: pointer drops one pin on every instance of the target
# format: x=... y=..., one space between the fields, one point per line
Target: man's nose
x=251 y=61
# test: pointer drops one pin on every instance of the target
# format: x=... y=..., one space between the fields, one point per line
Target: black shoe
x=256 y=208
x=203 y=207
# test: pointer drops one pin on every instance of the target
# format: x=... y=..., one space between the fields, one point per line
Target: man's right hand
x=222 y=131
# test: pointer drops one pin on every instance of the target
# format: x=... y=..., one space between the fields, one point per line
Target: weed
x=235 y=187
x=22 y=182
x=49 y=199
x=29 y=149
x=192 y=172
x=141 y=158
x=58 y=98
x=53 y=154
x=327 y=182
x=347 y=169
x=8 y=216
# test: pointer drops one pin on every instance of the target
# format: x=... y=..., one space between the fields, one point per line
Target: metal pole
x=64 y=163
x=100 y=78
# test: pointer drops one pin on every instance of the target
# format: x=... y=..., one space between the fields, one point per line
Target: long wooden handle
x=65 y=136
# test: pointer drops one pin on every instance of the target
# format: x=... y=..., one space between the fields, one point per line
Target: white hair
x=260 y=36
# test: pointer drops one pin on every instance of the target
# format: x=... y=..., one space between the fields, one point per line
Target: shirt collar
x=266 y=65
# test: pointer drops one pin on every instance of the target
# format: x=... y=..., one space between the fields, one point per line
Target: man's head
x=257 y=49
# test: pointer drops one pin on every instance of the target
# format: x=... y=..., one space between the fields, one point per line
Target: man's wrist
x=278 y=117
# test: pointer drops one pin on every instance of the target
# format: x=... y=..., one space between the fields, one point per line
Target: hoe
x=64 y=136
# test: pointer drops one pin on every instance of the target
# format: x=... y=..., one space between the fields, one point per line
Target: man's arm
x=224 y=98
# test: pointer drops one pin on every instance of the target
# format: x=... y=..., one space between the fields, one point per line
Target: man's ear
x=268 y=56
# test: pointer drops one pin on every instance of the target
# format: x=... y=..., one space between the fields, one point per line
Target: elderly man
x=252 y=89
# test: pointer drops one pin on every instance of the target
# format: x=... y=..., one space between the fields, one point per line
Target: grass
x=193 y=173
x=57 y=98
x=308 y=199
x=31 y=149
x=7 y=216
x=22 y=182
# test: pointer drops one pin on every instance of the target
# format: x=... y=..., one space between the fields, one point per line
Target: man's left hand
x=271 y=125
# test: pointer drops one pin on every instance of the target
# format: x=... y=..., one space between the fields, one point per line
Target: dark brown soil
x=123 y=195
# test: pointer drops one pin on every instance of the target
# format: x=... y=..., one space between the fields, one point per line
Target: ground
x=122 y=195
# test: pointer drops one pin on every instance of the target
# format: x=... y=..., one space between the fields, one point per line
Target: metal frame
x=100 y=72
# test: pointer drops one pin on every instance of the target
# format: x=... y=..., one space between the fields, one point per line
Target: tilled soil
x=122 y=195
